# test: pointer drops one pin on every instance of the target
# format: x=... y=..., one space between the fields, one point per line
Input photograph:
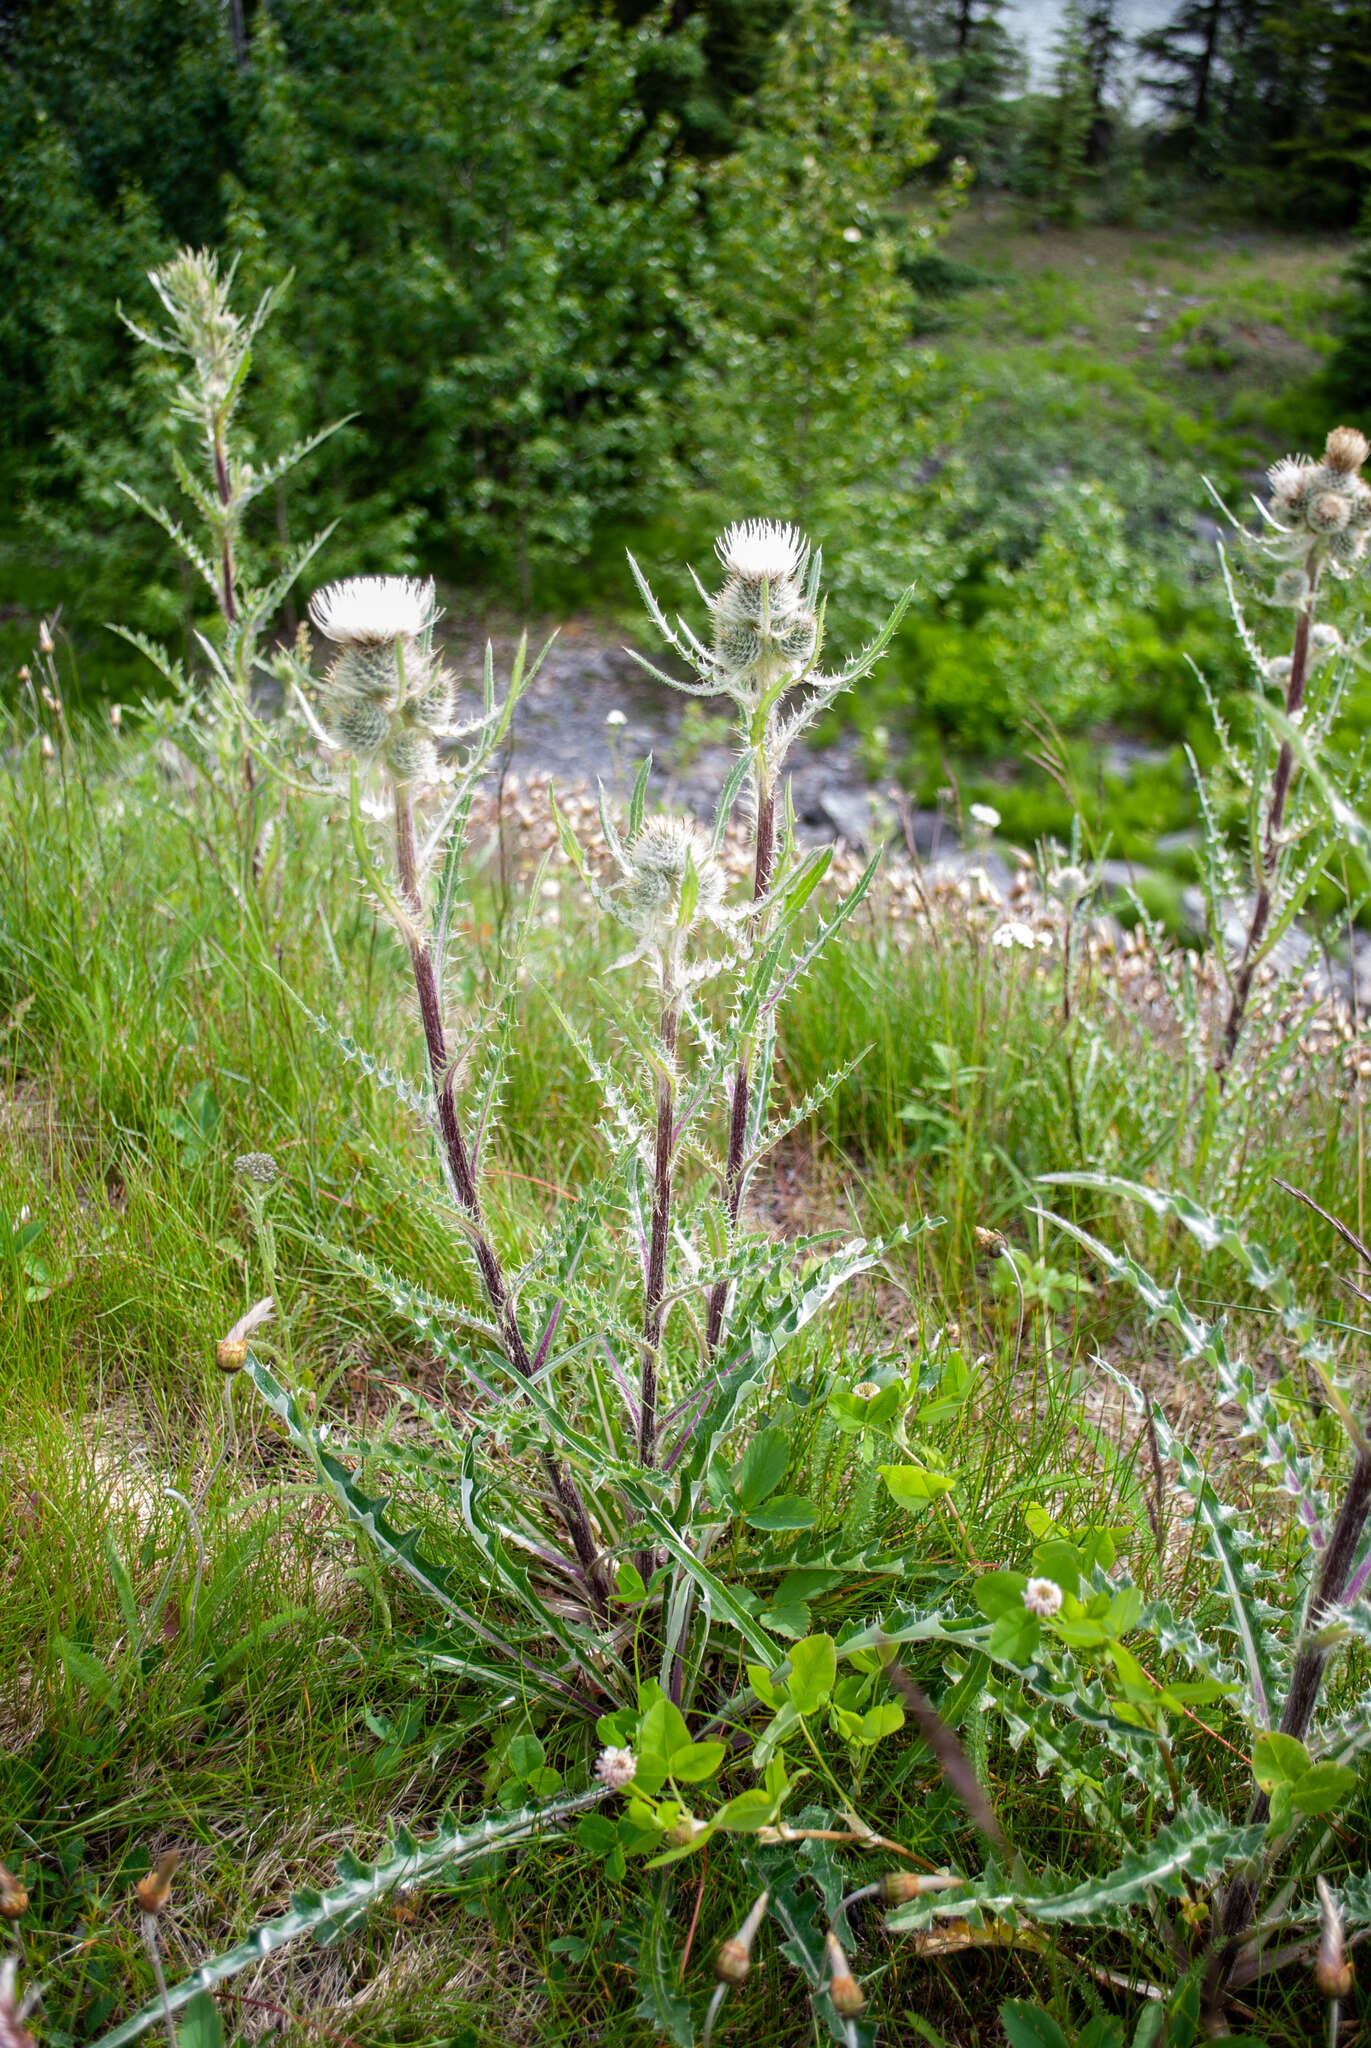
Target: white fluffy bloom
x=615 y=1768
x=1015 y=933
x=373 y=611
x=754 y=548
x=1042 y=1597
x=985 y=814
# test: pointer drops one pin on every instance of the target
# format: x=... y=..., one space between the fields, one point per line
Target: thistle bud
x=1292 y=588
x=843 y=1988
x=1328 y=512
x=734 y=1958
x=155 y=1888
x=360 y=725
x=1333 y=1971
x=411 y=755
x=1346 y=450
x=14 y=1900
x=230 y=1354
x=899 y=1886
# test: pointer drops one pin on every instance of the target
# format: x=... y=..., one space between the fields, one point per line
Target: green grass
x=232 y=1678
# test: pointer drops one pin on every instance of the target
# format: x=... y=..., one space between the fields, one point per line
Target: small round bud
x=360 y=725
x=45 y=641
x=797 y=638
x=155 y=1889
x=25 y=674
x=737 y=646
x=843 y=1988
x=434 y=706
x=256 y=1166
x=1292 y=588
x=372 y=672
x=1346 y=450
x=732 y=1962
x=1328 y=512
x=1278 y=670
x=1335 y=1980
x=411 y=756
x=230 y=1354
x=1347 y=548
x=14 y=1900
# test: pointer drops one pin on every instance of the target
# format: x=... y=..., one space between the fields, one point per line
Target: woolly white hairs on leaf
x=760 y=547
x=372 y=610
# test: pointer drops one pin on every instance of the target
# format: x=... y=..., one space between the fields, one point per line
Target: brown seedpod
x=843 y=1988
x=14 y=1900
x=154 y=1889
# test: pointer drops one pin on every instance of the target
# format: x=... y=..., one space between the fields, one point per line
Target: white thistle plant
x=766 y=637
x=1318 y=525
x=607 y=1554
x=213 y=342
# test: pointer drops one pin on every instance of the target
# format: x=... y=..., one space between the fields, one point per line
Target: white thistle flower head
x=374 y=611
x=1289 y=478
x=615 y=1768
x=1043 y=1597
x=757 y=549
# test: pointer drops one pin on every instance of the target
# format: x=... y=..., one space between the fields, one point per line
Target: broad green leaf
x=998 y=1593
x=786 y=1511
x=913 y=1486
x=201 y=2026
x=1028 y=2026
x=1278 y=1759
x=697 y=1761
x=525 y=1755
x=748 y=1812
x=813 y=1668
x=1323 y=1787
x=762 y=1468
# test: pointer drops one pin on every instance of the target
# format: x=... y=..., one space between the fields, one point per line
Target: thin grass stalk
x=1275 y=820
x=458 y=1157
x=661 y=1231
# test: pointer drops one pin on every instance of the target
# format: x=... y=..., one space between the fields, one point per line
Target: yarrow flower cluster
x=258 y=1167
x=615 y=1768
x=1321 y=510
x=1042 y=1597
x=387 y=697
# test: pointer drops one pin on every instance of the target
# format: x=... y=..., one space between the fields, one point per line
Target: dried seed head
x=155 y=1889
x=14 y=1900
x=734 y=1958
x=45 y=641
x=897 y=1886
x=256 y=1166
x=1043 y=1597
x=615 y=1768
x=230 y=1354
x=993 y=1243
x=843 y=1987
x=1346 y=450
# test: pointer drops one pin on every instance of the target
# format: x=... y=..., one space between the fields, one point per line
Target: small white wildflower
x=1015 y=933
x=852 y=234
x=615 y=1768
x=753 y=548
x=866 y=1390
x=985 y=814
x=616 y=717
x=372 y=611
x=1042 y=1597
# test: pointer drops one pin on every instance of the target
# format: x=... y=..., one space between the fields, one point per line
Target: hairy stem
x=463 y=1180
x=1275 y=820
x=742 y=1076
x=1300 y=1701
x=661 y=1230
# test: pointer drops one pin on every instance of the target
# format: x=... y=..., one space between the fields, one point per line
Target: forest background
x=580 y=277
